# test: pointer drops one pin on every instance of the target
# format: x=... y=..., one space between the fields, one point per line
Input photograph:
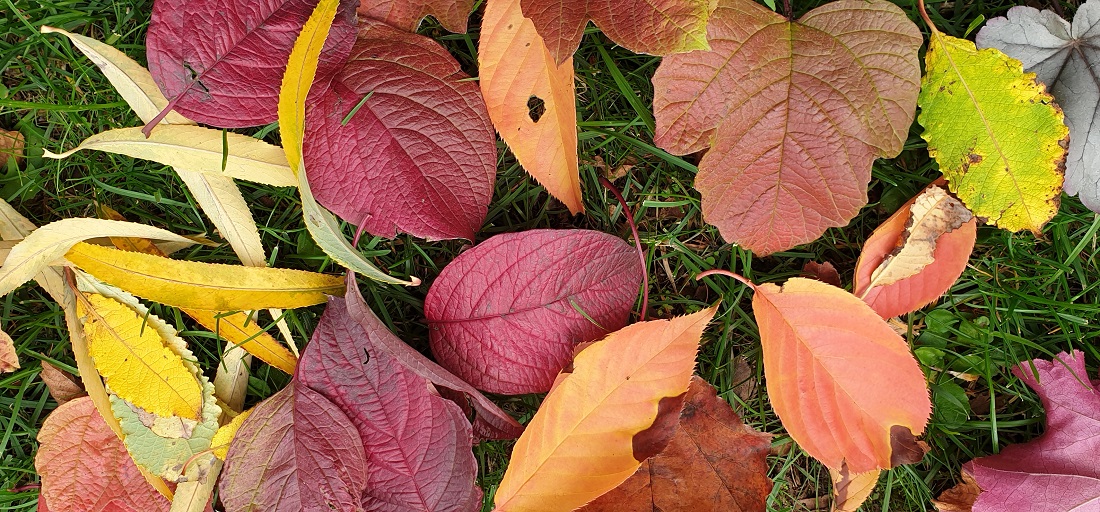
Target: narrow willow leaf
x=244 y=331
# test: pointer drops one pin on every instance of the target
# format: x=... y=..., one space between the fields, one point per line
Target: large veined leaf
x=794 y=113
x=580 y=444
x=656 y=27
x=530 y=100
x=506 y=315
x=1063 y=56
x=220 y=62
x=407 y=14
x=996 y=133
x=401 y=141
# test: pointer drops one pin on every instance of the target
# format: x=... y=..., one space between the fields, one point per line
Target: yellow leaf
x=241 y=330
x=135 y=361
x=225 y=435
x=211 y=286
x=579 y=445
x=530 y=99
x=851 y=490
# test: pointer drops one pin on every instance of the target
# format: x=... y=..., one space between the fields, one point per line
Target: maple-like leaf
x=713 y=462
x=794 y=114
x=62 y=386
x=591 y=419
x=530 y=100
x=1057 y=471
x=1063 y=56
x=506 y=315
x=407 y=14
x=220 y=62
x=657 y=27
x=943 y=250
x=995 y=132
x=401 y=141
x=85 y=468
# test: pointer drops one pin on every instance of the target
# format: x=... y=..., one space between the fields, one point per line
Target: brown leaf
x=824 y=272
x=714 y=462
x=63 y=387
x=9 y=360
x=11 y=145
x=959 y=498
x=851 y=490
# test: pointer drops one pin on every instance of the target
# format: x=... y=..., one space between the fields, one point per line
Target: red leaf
x=221 y=62
x=85 y=468
x=419 y=154
x=1056 y=472
x=418 y=444
x=505 y=315
x=406 y=14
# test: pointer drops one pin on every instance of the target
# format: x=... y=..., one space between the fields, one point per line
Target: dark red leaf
x=417 y=153
x=221 y=62
x=406 y=14
x=824 y=272
x=506 y=314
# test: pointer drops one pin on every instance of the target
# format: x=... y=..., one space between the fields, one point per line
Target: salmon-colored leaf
x=401 y=141
x=588 y=422
x=530 y=100
x=506 y=315
x=63 y=387
x=794 y=114
x=9 y=359
x=714 y=462
x=844 y=384
x=407 y=14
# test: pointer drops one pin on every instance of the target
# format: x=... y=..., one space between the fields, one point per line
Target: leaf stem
x=727 y=273
x=637 y=243
x=924 y=15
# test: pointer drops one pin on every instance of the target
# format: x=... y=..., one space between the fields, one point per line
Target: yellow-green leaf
x=996 y=133
x=194 y=285
x=225 y=434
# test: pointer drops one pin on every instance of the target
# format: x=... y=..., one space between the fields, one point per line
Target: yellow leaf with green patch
x=996 y=133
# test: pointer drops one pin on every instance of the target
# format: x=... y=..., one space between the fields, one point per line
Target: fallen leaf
x=959 y=498
x=62 y=386
x=824 y=272
x=933 y=214
x=506 y=315
x=85 y=468
x=978 y=108
x=401 y=140
x=407 y=14
x=9 y=359
x=852 y=490
x=794 y=113
x=589 y=421
x=1063 y=57
x=657 y=27
x=203 y=53
x=225 y=434
x=713 y=462
x=832 y=364
x=950 y=254
x=1055 y=472
x=12 y=143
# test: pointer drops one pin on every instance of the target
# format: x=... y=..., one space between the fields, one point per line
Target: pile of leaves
x=382 y=129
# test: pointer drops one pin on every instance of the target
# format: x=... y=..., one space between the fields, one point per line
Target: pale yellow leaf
x=934 y=213
x=850 y=491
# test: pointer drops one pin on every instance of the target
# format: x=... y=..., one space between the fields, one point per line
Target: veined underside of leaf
x=407 y=14
x=793 y=113
x=204 y=53
x=833 y=365
x=658 y=27
x=530 y=99
x=589 y=421
x=997 y=135
x=401 y=140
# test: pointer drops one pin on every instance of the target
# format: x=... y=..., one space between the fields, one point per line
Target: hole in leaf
x=536 y=108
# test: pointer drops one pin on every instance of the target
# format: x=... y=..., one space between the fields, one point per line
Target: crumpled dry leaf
x=62 y=386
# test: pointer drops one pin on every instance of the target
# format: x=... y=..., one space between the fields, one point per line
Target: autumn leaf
x=589 y=421
x=11 y=146
x=794 y=113
x=1055 y=472
x=960 y=498
x=1063 y=56
x=713 y=462
x=62 y=386
x=225 y=434
x=996 y=134
x=9 y=359
x=938 y=231
x=657 y=27
x=203 y=53
x=824 y=272
x=530 y=99
x=85 y=468
x=407 y=14
x=401 y=140
x=506 y=315
x=852 y=490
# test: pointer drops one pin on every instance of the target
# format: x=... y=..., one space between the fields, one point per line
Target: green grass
x=1020 y=298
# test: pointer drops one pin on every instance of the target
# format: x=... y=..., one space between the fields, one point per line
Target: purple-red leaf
x=418 y=444
x=221 y=62
x=1057 y=471
x=506 y=314
x=401 y=141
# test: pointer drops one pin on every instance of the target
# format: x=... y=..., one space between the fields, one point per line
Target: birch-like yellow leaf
x=135 y=361
x=226 y=433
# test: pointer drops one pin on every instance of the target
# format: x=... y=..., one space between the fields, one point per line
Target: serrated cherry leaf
x=1064 y=57
x=657 y=27
x=401 y=140
x=407 y=14
x=793 y=113
x=85 y=468
x=1057 y=471
x=506 y=315
x=221 y=62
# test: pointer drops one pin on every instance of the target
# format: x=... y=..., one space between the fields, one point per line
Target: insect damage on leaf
x=933 y=214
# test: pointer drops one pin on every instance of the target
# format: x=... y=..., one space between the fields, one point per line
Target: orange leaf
x=531 y=100
x=842 y=381
x=580 y=444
